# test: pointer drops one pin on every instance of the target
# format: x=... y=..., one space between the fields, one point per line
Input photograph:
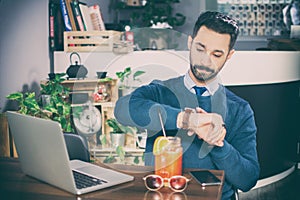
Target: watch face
x=89 y=121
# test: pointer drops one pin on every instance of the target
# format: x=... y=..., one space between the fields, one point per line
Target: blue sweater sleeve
x=238 y=158
x=141 y=108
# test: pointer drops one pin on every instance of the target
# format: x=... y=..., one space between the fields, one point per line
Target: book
x=51 y=25
x=71 y=15
x=86 y=17
x=65 y=15
x=56 y=26
x=96 y=17
x=77 y=15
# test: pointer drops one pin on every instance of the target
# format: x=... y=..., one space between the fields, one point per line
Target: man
x=218 y=130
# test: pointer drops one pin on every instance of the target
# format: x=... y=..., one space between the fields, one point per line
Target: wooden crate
x=7 y=145
x=87 y=41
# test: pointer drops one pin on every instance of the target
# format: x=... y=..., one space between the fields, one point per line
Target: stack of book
x=71 y=15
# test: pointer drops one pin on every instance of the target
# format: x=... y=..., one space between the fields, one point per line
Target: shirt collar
x=211 y=87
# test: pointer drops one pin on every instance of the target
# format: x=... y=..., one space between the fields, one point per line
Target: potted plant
x=58 y=105
x=56 y=108
x=128 y=80
x=118 y=132
x=117 y=135
x=27 y=104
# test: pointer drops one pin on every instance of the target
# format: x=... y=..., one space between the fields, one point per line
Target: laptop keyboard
x=84 y=181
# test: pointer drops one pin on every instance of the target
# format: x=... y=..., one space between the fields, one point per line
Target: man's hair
x=219 y=23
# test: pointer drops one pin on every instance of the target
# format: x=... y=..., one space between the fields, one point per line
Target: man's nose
x=205 y=60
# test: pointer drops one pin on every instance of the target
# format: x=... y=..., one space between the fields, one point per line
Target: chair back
x=77 y=147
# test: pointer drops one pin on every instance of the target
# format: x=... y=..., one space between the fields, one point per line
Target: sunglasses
x=176 y=183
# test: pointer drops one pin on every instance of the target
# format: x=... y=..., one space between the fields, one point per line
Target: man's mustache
x=201 y=67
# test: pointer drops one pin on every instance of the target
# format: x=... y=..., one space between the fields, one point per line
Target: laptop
x=43 y=155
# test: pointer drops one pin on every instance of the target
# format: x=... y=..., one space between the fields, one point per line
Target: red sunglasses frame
x=162 y=182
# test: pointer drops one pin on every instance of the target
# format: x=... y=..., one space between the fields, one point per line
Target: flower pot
x=117 y=139
x=45 y=99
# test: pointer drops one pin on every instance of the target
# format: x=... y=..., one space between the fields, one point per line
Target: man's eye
x=200 y=49
x=218 y=55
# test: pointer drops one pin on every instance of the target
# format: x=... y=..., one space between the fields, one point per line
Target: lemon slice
x=159 y=143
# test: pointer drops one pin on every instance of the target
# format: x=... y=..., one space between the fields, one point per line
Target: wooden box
x=87 y=41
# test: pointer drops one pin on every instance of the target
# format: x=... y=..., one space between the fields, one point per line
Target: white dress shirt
x=211 y=87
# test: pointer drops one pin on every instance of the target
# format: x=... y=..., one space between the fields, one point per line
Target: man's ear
x=231 y=52
x=189 y=42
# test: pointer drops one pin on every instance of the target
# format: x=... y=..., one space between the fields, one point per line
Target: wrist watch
x=186 y=117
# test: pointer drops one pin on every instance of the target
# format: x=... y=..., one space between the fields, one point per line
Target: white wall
x=24 y=57
x=244 y=68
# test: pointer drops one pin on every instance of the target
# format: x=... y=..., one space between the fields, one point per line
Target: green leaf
x=105 y=79
x=121 y=153
x=127 y=70
x=119 y=74
x=136 y=160
x=51 y=109
x=59 y=89
x=126 y=129
x=60 y=108
x=109 y=159
x=31 y=104
x=30 y=95
x=115 y=125
x=76 y=111
x=143 y=157
x=137 y=73
x=103 y=139
x=68 y=128
x=23 y=110
x=63 y=122
x=15 y=96
x=124 y=74
x=59 y=77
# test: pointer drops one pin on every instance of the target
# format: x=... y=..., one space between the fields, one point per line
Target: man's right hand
x=207 y=126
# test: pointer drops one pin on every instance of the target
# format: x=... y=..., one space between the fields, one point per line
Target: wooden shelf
x=90 y=41
x=90 y=86
x=131 y=154
x=130 y=150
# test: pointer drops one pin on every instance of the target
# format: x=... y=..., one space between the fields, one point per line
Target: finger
x=203 y=132
x=200 y=110
x=220 y=142
x=216 y=134
x=190 y=133
x=224 y=132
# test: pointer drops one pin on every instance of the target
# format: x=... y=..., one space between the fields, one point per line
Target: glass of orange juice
x=168 y=156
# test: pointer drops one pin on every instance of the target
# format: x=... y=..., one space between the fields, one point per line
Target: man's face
x=209 y=51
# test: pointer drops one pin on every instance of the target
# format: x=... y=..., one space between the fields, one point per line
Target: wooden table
x=14 y=184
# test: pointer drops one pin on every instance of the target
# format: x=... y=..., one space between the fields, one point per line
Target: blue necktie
x=199 y=90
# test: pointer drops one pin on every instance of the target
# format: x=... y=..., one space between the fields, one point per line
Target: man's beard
x=203 y=76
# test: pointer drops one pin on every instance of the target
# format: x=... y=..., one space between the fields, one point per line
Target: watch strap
x=186 y=118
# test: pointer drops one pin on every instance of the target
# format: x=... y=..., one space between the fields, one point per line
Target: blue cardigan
x=238 y=156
